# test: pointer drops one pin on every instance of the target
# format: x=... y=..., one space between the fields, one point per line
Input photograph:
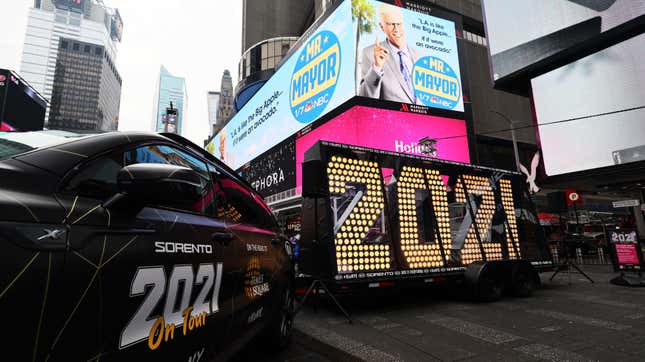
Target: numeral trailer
x=375 y=218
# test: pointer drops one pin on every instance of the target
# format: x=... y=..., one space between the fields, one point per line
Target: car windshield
x=15 y=143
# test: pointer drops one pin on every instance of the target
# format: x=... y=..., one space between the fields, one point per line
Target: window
x=172 y=156
x=63 y=44
x=76 y=46
x=97 y=179
x=86 y=49
x=235 y=203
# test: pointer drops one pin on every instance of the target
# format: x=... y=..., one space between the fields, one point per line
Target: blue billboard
x=374 y=50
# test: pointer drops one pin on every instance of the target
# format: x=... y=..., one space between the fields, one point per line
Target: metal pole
x=512 y=125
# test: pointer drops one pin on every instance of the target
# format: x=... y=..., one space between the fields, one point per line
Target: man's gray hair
x=384 y=9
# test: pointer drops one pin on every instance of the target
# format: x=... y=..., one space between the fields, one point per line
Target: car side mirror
x=159 y=183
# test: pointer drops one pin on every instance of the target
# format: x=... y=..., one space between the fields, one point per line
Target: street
x=576 y=322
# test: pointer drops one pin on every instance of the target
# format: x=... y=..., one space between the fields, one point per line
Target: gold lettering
x=186 y=315
x=157 y=330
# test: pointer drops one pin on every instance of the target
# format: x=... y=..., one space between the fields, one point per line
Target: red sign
x=627 y=254
x=573 y=196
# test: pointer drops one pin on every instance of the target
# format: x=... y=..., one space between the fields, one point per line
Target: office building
x=170 y=90
x=212 y=101
x=69 y=57
x=225 y=108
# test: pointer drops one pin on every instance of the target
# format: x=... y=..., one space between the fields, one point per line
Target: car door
x=156 y=280
x=256 y=258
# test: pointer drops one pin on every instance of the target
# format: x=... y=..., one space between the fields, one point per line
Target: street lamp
x=512 y=125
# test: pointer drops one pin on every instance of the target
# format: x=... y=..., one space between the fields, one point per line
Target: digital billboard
x=21 y=108
x=390 y=131
x=274 y=171
x=407 y=57
x=590 y=113
x=336 y=62
x=521 y=33
x=315 y=79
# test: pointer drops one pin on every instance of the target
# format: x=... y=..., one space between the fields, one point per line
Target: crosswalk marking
x=548 y=353
x=594 y=322
x=486 y=334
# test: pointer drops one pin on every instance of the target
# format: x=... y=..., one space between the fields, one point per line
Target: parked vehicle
x=126 y=246
x=432 y=221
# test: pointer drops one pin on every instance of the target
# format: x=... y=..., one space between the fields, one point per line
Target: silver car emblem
x=52 y=234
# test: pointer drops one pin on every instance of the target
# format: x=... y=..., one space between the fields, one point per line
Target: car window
x=97 y=179
x=169 y=155
x=235 y=203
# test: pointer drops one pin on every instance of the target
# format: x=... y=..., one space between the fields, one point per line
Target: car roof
x=61 y=156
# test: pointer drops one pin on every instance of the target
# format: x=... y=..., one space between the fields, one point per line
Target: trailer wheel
x=523 y=281
x=490 y=287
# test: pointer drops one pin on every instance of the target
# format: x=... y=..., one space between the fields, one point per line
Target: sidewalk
x=576 y=322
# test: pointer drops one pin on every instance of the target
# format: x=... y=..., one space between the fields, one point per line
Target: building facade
x=269 y=29
x=225 y=108
x=69 y=57
x=212 y=101
x=170 y=90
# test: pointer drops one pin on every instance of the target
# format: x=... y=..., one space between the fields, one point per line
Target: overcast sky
x=194 y=39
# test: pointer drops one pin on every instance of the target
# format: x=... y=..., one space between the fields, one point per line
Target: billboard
x=274 y=171
x=521 y=33
x=407 y=57
x=595 y=107
x=336 y=62
x=390 y=131
x=21 y=108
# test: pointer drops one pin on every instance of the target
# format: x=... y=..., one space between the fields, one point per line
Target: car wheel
x=280 y=327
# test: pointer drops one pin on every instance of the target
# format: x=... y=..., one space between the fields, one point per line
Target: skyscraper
x=69 y=57
x=170 y=89
x=225 y=107
x=212 y=100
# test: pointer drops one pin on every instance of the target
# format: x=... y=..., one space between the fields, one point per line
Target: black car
x=134 y=246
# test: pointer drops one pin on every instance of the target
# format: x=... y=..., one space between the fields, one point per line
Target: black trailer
x=375 y=218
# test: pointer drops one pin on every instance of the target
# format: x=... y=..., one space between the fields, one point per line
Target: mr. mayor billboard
x=367 y=48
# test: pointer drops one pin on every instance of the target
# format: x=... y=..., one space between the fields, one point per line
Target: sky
x=196 y=42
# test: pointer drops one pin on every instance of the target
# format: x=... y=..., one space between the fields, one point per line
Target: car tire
x=279 y=330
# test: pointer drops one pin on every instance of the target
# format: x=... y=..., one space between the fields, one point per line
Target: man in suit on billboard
x=386 y=67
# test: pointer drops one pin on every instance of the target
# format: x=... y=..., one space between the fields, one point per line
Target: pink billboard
x=391 y=131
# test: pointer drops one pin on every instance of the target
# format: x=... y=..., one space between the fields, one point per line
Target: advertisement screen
x=407 y=57
x=390 y=131
x=375 y=50
x=314 y=80
x=626 y=254
x=274 y=171
x=21 y=109
x=595 y=107
x=522 y=32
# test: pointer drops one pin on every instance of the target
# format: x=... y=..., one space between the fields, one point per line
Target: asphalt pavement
x=577 y=322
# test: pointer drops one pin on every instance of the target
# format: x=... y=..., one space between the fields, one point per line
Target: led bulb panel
x=360 y=246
